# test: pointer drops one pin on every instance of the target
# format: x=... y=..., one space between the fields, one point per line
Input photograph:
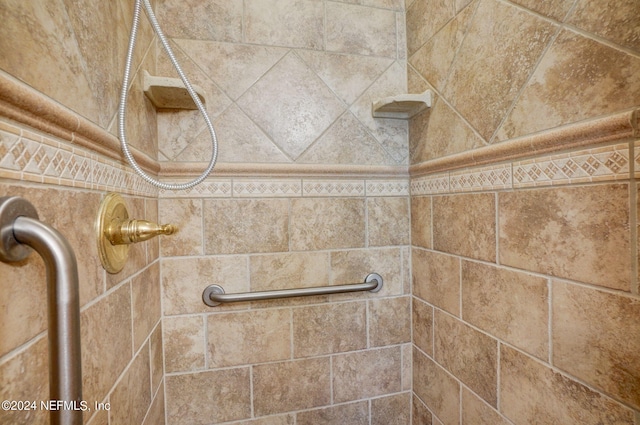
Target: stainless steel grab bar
x=19 y=228
x=214 y=295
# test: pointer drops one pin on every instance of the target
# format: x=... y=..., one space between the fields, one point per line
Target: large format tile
x=248 y=337
x=469 y=355
x=511 y=46
x=436 y=279
x=465 y=225
x=195 y=399
x=436 y=388
x=595 y=339
x=528 y=388
x=560 y=92
x=236 y=226
x=287 y=386
x=579 y=233
x=329 y=329
x=510 y=305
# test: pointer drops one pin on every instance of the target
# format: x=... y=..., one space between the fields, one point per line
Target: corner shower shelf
x=402 y=107
x=169 y=93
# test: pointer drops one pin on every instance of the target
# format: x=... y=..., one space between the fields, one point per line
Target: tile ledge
x=222 y=169
x=624 y=126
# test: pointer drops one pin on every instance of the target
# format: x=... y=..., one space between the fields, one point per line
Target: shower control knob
x=132 y=231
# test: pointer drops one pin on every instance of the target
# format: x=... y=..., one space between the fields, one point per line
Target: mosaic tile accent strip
x=387 y=188
x=333 y=188
x=211 y=188
x=267 y=188
x=585 y=166
x=477 y=179
x=30 y=157
x=430 y=185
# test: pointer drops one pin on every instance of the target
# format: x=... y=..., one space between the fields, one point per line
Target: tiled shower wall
x=58 y=48
x=525 y=285
x=291 y=85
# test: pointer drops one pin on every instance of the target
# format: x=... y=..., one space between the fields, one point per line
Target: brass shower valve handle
x=132 y=231
x=116 y=232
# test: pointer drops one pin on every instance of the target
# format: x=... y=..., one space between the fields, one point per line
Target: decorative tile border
x=333 y=187
x=608 y=163
x=600 y=164
x=486 y=178
x=27 y=156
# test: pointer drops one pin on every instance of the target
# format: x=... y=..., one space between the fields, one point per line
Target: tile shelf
x=403 y=106
x=169 y=93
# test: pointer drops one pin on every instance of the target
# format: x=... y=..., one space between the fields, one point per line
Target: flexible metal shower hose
x=183 y=77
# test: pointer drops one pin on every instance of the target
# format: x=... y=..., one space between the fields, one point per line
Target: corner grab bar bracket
x=214 y=295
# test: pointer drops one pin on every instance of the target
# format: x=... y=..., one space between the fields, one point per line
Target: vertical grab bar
x=20 y=227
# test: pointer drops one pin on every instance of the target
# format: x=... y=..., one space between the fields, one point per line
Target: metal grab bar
x=19 y=228
x=214 y=295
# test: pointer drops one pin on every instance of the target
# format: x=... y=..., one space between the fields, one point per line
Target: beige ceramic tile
x=353 y=414
x=248 y=337
x=292 y=105
x=156 y=412
x=559 y=93
x=388 y=221
x=365 y=374
x=430 y=185
x=440 y=133
x=215 y=20
x=246 y=226
x=288 y=270
x=106 y=350
x=186 y=214
x=483 y=96
x=617 y=21
x=493 y=177
x=272 y=420
x=341 y=224
x=424 y=19
x=239 y=140
x=436 y=279
x=528 y=388
x=353 y=267
x=389 y=321
x=433 y=60
x=465 y=225
x=347 y=75
x=156 y=358
x=419 y=412
x=146 y=303
x=131 y=398
x=189 y=397
x=579 y=233
x=287 y=386
x=184 y=343
x=469 y=355
x=392 y=410
x=360 y=30
x=184 y=280
x=328 y=329
x=234 y=67
x=475 y=411
x=436 y=388
x=555 y=9
x=593 y=339
x=45 y=54
x=421 y=221
x=422 y=326
x=24 y=377
x=291 y=23
x=347 y=141
x=510 y=305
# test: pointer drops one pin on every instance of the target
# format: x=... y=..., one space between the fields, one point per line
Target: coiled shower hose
x=183 y=77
